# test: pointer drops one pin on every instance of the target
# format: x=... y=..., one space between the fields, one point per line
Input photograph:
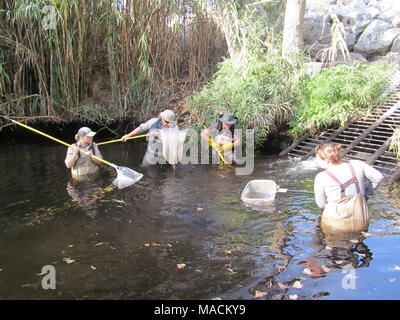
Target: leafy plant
x=336 y=95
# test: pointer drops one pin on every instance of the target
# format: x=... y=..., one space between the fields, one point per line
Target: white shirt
x=327 y=190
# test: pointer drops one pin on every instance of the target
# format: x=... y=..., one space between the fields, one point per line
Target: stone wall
x=372 y=27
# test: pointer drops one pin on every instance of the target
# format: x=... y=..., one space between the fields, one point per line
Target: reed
x=102 y=60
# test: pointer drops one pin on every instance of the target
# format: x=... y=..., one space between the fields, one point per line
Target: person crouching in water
x=166 y=119
x=82 y=164
x=224 y=136
x=340 y=191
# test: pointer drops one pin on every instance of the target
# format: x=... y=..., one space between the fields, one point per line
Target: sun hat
x=228 y=118
x=85 y=131
x=168 y=115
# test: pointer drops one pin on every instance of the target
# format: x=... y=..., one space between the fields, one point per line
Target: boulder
x=355 y=58
x=391 y=16
x=396 y=45
x=376 y=39
x=354 y=18
x=316 y=26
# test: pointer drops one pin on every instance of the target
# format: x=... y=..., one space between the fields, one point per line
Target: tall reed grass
x=102 y=60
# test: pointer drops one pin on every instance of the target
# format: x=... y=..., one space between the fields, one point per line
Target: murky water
x=179 y=234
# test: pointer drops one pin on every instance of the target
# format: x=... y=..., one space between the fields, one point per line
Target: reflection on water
x=180 y=233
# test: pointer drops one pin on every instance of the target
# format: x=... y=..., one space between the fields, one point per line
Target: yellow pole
x=59 y=141
x=119 y=140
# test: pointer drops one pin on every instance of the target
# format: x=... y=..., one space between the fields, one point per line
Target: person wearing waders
x=340 y=190
x=224 y=136
x=165 y=120
x=81 y=164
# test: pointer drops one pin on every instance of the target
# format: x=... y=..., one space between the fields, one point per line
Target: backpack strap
x=343 y=186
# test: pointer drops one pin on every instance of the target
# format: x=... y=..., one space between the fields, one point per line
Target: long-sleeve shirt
x=327 y=190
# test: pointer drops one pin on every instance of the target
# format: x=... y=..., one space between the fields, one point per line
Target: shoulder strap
x=343 y=186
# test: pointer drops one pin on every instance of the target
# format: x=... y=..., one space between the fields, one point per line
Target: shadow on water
x=180 y=233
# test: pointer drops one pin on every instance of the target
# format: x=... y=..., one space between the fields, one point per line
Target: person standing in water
x=166 y=120
x=340 y=191
x=83 y=164
x=224 y=135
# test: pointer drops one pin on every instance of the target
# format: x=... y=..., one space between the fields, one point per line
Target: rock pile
x=372 y=27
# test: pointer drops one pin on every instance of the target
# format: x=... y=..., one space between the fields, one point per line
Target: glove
x=226 y=147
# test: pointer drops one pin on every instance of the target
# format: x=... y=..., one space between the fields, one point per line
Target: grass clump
x=336 y=95
x=260 y=92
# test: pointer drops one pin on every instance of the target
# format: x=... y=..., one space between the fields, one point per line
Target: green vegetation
x=336 y=95
x=112 y=60
x=101 y=60
x=261 y=93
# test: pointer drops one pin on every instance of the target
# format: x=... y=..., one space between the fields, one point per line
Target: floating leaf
x=230 y=270
x=68 y=260
x=320 y=294
x=325 y=269
x=70 y=246
x=260 y=294
x=99 y=244
x=283 y=286
x=307 y=271
x=396 y=268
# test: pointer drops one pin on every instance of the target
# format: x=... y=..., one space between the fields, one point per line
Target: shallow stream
x=179 y=234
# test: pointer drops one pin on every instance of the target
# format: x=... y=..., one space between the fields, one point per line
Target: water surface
x=179 y=234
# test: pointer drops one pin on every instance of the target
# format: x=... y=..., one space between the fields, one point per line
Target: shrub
x=336 y=95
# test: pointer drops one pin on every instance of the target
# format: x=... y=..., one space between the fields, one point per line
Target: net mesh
x=126 y=177
x=172 y=144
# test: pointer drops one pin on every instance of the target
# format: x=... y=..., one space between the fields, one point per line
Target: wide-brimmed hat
x=85 y=131
x=168 y=115
x=228 y=118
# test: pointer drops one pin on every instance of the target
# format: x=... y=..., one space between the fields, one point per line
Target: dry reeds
x=101 y=60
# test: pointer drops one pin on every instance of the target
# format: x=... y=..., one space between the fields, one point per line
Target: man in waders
x=166 y=120
x=225 y=139
x=82 y=164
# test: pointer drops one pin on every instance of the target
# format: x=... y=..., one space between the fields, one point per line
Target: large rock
x=391 y=16
x=354 y=17
x=316 y=27
x=396 y=45
x=377 y=39
x=383 y=5
x=371 y=26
